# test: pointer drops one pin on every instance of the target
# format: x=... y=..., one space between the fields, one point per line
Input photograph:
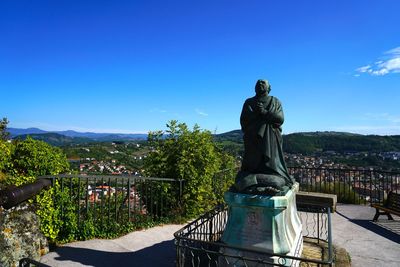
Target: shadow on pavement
x=159 y=255
x=385 y=228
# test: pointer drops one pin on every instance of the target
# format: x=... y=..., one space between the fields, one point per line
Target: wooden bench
x=392 y=206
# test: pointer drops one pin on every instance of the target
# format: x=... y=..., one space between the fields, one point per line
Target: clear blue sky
x=130 y=66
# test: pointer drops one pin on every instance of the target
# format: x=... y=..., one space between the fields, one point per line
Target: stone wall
x=20 y=236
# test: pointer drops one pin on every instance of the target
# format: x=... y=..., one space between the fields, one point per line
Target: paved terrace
x=369 y=243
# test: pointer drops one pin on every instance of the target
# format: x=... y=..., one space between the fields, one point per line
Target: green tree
x=345 y=192
x=190 y=155
x=34 y=158
x=5 y=155
x=5 y=159
x=6 y=150
x=4 y=135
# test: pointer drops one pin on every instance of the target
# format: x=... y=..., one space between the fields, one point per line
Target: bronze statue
x=263 y=168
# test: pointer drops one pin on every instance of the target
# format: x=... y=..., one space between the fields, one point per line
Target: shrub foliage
x=190 y=155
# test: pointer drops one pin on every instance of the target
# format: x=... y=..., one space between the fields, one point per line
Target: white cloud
x=388 y=64
x=364 y=68
x=392 y=64
x=395 y=51
x=200 y=112
x=379 y=72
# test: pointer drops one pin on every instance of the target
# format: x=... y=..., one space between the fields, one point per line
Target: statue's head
x=262 y=87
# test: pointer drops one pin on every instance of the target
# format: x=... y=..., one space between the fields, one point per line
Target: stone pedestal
x=265 y=224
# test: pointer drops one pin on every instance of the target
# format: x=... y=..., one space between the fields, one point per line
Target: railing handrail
x=122 y=176
x=344 y=169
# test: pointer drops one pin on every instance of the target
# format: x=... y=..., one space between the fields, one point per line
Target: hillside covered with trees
x=314 y=142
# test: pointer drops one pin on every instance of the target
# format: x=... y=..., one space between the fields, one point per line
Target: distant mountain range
x=304 y=142
x=237 y=135
x=73 y=135
x=55 y=139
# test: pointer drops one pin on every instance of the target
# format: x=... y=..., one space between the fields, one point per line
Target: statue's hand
x=261 y=109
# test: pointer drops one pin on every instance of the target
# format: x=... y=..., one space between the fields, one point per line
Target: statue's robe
x=263 y=141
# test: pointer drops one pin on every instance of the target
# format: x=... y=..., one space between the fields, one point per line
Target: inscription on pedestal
x=254 y=231
x=250 y=229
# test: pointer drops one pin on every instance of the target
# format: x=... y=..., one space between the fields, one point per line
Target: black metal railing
x=198 y=243
x=27 y=262
x=115 y=200
x=350 y=185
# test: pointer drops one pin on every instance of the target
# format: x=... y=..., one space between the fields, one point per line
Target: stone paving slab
x=369 y=243
x=151 y=247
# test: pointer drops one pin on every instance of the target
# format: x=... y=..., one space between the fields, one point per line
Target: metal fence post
x=180 y=190
x=330 y=235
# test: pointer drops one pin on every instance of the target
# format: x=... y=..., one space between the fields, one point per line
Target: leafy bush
x=190 y=155
x=344 y=192
x=35 y=158
x=5 y=155
x=5 y=159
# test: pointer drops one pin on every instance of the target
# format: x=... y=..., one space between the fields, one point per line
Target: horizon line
x=124 y=132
